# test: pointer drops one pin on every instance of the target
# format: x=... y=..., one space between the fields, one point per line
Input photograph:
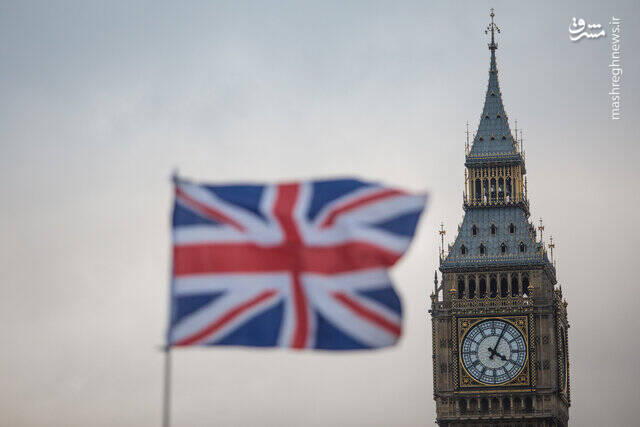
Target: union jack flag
x=300 y=265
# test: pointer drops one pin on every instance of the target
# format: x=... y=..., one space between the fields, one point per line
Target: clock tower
x=499 y=321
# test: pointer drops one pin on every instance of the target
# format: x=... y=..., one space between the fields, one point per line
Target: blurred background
x=102 y=100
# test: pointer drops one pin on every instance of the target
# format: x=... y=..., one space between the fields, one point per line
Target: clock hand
x=495 y=348
x=495 y=353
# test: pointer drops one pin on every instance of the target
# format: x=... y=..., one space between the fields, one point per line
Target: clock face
x=493 y=351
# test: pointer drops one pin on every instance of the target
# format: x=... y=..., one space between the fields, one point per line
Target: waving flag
x=300 y=265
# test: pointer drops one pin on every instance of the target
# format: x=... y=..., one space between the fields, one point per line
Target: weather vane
x=493 y=28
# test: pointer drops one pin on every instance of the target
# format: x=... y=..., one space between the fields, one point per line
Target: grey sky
x=101 y=100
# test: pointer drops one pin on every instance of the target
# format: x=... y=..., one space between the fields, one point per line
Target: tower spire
x=492 y=28
x=493 y=137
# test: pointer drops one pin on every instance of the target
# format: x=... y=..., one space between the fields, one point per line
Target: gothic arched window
x=525 y=284
x=512 y=228
x=474 y=230
x=472 y=288
x=485 y=190
x=463 y=250
x=460 y=287
x=482 y=249
x=493 y=189
x=508 y=185
x=515 y=285
x=528 y=404
x=503 y=248
x=482 y=291
x=523 y=247
x=504 y=286
x=494 y=229
x=493 y=286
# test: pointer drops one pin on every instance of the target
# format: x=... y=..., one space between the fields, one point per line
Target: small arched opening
x=493 y=189
x=506 y=404
x=482 y=292
x=460 y=287
x=504 y=286
x=484 y=404
x=485 y=190
x=525 y=284
x=515 y=285
x=493 y=287
x=528 y=404
x=472 y=288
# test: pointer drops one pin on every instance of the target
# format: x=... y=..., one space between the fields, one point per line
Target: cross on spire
x=493 y=28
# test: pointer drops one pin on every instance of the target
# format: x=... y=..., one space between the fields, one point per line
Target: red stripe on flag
x=248 y=257
x=301 y=331
x=358 y=203
x=283 y=210
x=212 y=213
x=226 y=318
x=368 y=314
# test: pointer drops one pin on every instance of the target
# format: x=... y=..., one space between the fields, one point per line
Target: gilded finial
x=492 y=28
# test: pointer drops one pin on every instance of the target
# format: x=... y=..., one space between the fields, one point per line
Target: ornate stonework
x=499 y=322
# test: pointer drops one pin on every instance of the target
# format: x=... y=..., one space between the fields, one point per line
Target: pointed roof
x=511 y=242
x=493 y=140
x=495 y=235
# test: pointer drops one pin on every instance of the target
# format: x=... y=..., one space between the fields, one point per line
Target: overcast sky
x=102 y=100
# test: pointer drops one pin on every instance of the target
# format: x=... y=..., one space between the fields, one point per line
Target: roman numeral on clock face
x=494 y=351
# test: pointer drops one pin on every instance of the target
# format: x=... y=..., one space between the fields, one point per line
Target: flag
x=299 y=265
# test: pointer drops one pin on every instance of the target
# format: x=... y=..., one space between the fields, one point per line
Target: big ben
x=499 y=321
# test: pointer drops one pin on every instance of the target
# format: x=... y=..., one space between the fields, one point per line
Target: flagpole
x=166 y=395
x=166 y=398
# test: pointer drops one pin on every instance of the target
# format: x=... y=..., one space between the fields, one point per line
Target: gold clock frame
x=522 y=379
